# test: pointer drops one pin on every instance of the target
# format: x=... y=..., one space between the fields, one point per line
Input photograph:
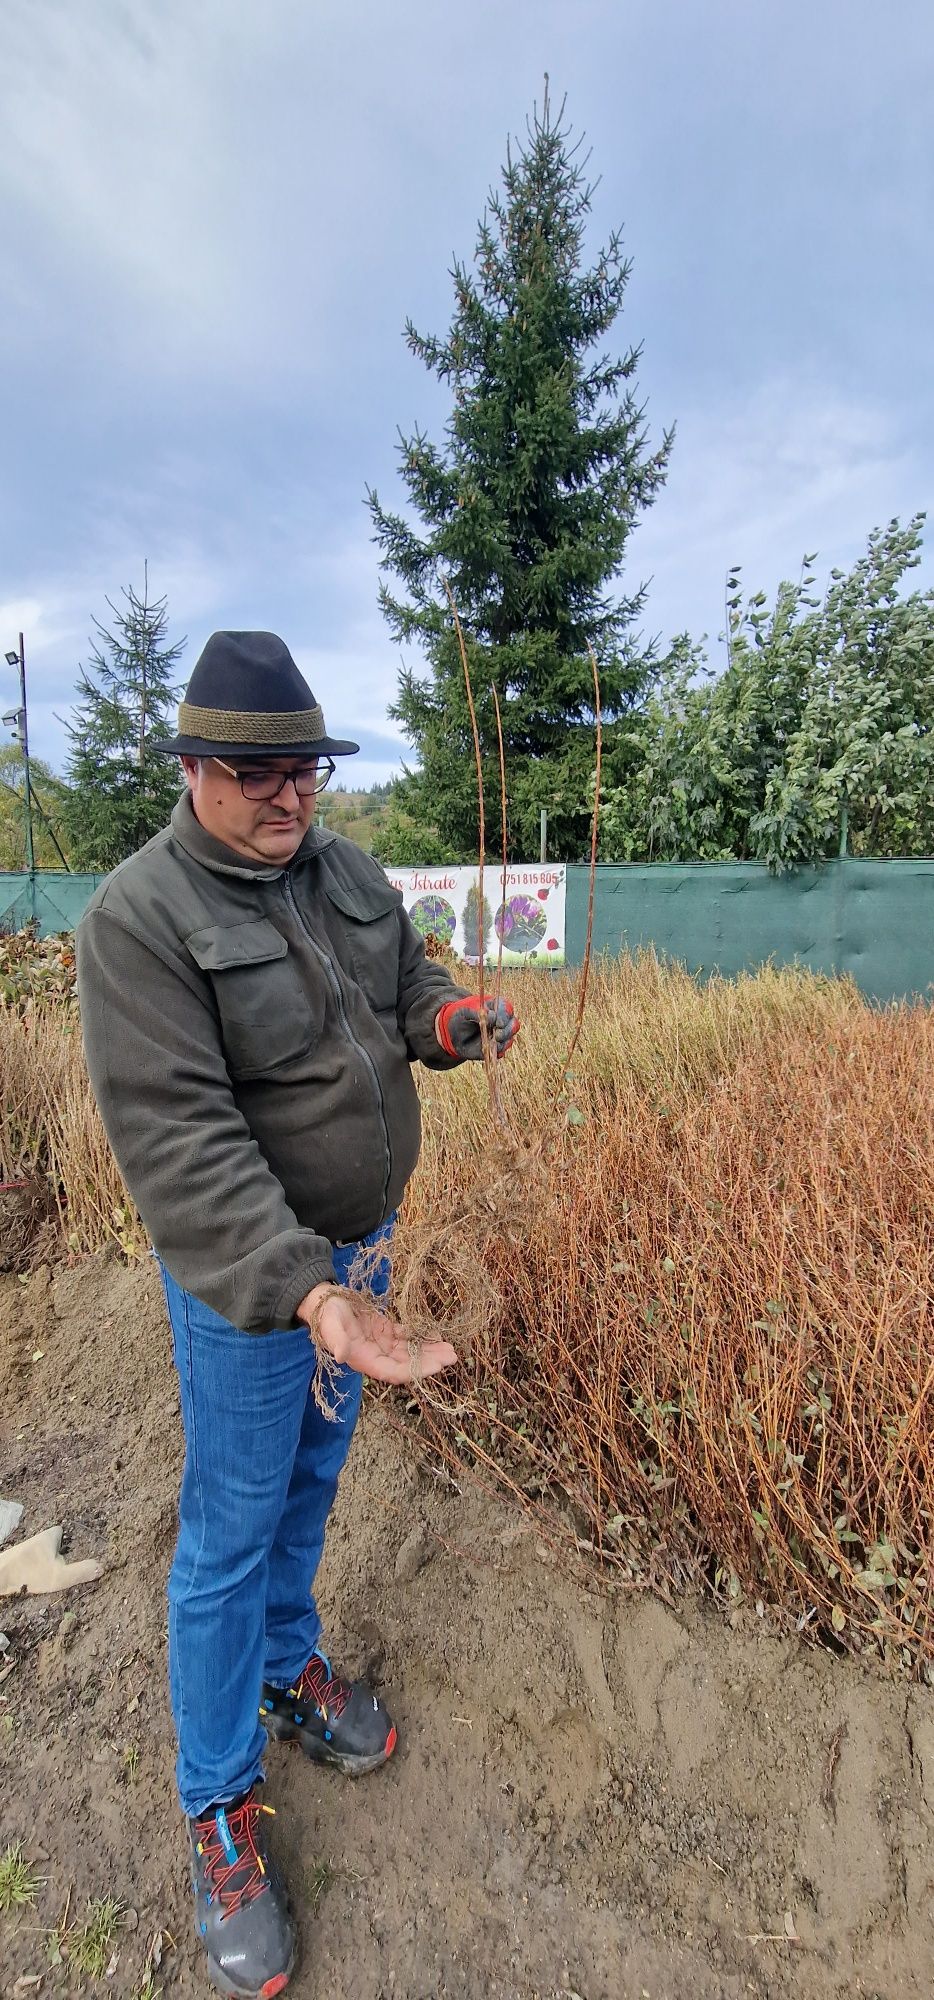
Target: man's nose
x=282 y=797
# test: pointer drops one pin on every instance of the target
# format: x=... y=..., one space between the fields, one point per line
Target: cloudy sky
x=215 y=216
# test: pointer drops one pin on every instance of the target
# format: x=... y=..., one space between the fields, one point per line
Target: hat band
x=244 y=725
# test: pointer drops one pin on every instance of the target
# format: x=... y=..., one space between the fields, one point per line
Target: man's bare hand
x=366 y=1340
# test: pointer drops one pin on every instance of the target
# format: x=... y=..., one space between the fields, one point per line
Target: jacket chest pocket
x=371 y=931
x=267 y=1016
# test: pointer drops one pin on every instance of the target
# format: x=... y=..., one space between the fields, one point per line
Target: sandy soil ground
x=597 y=1797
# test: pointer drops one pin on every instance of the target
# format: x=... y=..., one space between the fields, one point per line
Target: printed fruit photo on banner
x=521 y=924
x=434 y=917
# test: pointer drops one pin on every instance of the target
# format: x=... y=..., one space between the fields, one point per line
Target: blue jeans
x=261 y=1471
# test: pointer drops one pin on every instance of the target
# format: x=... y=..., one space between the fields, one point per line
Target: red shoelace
x=238 y=1881
x=318 y=1684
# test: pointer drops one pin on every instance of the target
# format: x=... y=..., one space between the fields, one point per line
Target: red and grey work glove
x=457 y=1027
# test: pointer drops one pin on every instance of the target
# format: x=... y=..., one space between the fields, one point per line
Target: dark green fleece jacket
x=249 y=1032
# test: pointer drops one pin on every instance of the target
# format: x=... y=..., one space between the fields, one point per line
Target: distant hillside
x=357 y=815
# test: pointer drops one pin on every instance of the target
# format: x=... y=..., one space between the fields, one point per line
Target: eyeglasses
x=308 y=780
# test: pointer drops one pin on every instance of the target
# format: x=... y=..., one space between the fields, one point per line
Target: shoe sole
x=323 y=1753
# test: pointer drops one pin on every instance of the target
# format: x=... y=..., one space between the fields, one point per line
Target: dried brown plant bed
x=708 y=1335
x=697 y=1324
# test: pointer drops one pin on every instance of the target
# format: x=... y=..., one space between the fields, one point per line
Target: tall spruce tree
x=526 y=510
x=120 y=793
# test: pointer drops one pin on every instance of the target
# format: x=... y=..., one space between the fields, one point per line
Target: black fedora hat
x=246 y=698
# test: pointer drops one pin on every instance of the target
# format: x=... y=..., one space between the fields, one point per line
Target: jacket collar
x=222 y=860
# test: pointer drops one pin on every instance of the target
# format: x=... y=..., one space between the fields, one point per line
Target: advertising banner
x=524 y=913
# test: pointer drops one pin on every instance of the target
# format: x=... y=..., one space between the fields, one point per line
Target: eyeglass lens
x=268 y=784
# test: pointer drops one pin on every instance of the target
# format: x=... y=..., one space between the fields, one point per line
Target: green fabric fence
x=53 y=900
x=872 y=919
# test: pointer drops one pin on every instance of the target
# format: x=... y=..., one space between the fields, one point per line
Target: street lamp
x=17 y=719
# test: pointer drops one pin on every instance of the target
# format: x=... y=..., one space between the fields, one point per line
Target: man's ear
x=190 y=766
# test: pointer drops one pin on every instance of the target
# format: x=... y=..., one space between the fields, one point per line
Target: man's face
x=263 y=829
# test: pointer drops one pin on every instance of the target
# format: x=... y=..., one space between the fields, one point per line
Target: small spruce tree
x=120 y=792
x=526 y=510
x=478 y=921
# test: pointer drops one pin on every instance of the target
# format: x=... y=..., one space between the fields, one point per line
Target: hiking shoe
x=337 y=1722
x=241 y=1908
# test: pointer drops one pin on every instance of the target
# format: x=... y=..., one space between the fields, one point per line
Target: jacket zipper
x=334 y=985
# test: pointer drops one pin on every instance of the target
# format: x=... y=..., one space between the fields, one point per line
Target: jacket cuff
x=297 y=1288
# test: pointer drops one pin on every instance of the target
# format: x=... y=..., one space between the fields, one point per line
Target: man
x=253 y=996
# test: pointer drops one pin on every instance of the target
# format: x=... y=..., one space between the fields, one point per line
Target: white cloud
x=18 y=614
x=207 y=180
x=214 y=216
x=792 y=469
x=224 y=579
x=145 y=147
x=57 y=622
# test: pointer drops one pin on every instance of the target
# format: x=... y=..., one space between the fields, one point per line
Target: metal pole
x=30 y=851
x=543 y=842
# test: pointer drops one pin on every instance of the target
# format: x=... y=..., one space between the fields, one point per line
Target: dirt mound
x=595 y=1795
